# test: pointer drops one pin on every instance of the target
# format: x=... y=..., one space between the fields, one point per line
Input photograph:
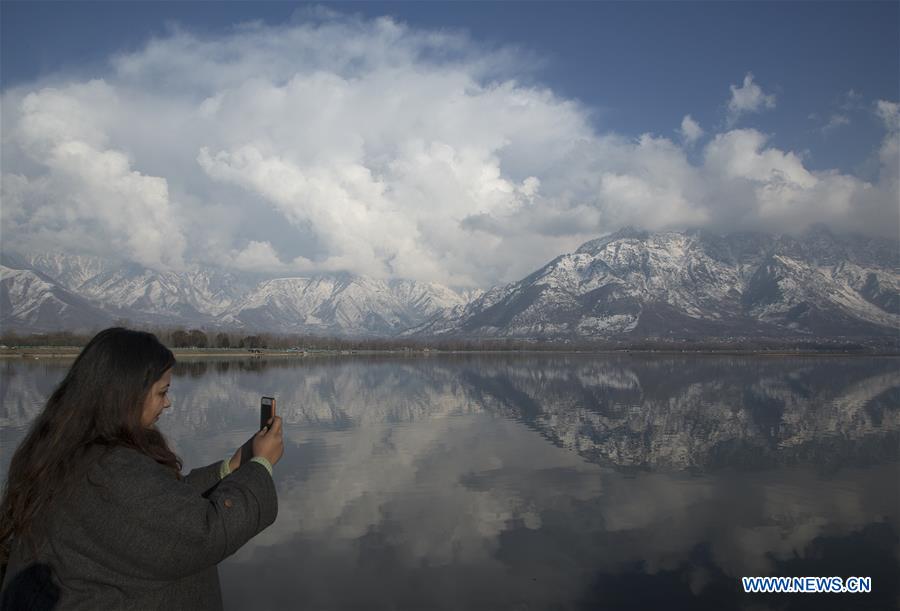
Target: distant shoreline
x=64 y=352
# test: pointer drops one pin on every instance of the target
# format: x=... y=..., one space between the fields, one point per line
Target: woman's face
x=157 y=400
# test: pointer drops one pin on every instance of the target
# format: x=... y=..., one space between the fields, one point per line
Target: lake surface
x=545 y=482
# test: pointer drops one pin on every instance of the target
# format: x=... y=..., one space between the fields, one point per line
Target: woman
x=96 y=513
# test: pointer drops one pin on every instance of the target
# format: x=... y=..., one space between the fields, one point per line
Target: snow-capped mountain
x=695 y=284
x=340 y=304
x=193 y=295
x=29 y=299
x=628 y=284
x=128 y=291
x=334 y=304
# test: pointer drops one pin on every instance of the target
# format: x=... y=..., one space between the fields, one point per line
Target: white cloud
x=770 y=189
x=889 y=112
x=338 y=143
x=88 y=186
x=740 y=154
x=747 y=98
x=690 y=130
x=257 y=256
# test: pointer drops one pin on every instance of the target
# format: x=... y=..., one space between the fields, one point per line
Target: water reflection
x=430 y=483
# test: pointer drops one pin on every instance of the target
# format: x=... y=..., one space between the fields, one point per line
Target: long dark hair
x=99 y=402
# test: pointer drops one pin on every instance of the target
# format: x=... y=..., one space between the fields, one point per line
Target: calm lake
x=545 y=482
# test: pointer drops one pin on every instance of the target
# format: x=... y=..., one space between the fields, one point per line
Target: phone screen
x=266 y=411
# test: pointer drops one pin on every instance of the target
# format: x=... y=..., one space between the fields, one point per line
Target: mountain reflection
x=631 y=412
x=659 y=413
x=546 y=482
x=703 y=413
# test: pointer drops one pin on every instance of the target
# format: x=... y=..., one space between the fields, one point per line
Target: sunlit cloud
x=690 y=130
x=335 y=143
x=748 y=98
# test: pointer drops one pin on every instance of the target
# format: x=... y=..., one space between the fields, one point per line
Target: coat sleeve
x=146 y=523
x=203 y=478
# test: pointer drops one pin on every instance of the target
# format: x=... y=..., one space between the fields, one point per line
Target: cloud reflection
x=541 y=482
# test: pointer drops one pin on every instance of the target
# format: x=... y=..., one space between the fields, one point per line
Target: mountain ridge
x=328 y=304
x=695 y=284
x=628 y=284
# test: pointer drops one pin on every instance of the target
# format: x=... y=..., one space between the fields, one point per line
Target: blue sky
x=641 y=65
x=813 y=88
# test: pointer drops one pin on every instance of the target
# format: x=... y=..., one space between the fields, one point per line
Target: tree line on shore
x=200 y=339
x=232 y=340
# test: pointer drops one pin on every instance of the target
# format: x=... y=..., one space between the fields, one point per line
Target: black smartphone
x=266 y=412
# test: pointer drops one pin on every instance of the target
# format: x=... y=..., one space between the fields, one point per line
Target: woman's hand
x=269 y=442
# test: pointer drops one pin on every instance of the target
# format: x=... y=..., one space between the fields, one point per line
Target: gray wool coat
x=141 y=539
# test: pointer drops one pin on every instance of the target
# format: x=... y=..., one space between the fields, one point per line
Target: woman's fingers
x=273 y=425
x=269 y=441
x=276 y=424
